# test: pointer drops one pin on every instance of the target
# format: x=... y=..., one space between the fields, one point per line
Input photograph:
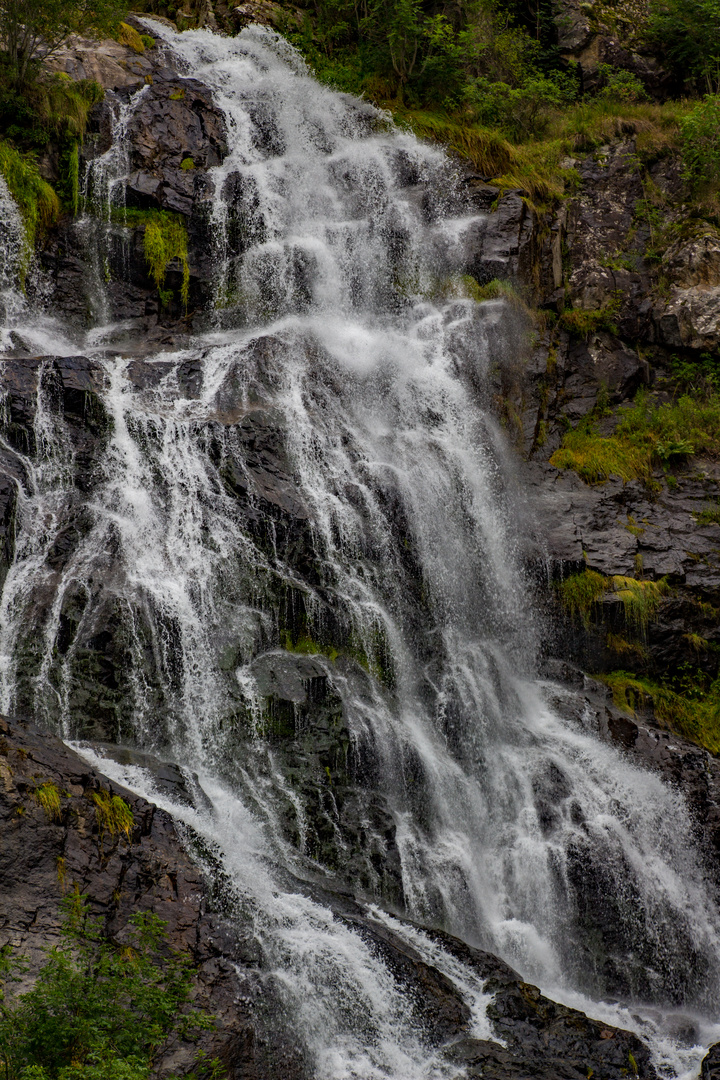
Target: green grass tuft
x=648 y=435
x=113 y=814
x=48 y=796
x=696 y=718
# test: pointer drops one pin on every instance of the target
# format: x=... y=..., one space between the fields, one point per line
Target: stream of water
x=345 y=341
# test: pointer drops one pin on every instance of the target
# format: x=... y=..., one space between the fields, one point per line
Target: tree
x=32 y=30
x=688 y=31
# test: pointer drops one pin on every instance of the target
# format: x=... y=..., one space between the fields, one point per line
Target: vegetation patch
x=113 y=814
x=38 y=204
x=581 y=593
x=696 y=716
x=165 y=240
x=583 y=323
x=100 y=1011
x=128 y=35
x=648 y=435
x=48 y=796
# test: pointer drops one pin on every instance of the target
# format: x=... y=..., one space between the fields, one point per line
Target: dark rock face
x=150 y=870
x=176 y=122
x=43 y=859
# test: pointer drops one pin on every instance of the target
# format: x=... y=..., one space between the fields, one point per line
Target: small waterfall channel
x=300 y=539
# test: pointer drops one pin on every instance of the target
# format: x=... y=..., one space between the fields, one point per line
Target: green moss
x=640 y=599
x=165 y=240
x=695 y=717
x=187 y=163
x=48 y=796
x=148 y=41
x=113 y=814
x=177 y=95
x=38 y=204
x=128 y=35
x=579 y=593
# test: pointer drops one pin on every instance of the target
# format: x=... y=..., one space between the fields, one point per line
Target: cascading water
x=371 y=569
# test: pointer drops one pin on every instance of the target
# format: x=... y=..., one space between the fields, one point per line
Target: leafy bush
x=700 y=133
x=38 y=204
x=621 y=85
x=99 y=1011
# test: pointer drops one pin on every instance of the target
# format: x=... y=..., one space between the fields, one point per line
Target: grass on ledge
x=539 y=164
x=647 y=436
x=695 y=718
x=580 y=594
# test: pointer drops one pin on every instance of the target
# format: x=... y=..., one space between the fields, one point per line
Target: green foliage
x=688 y=32
x=621 y=86
x=165 y=240
x=113 y=814
x=694 y=713
x=584 y=323
x=99 y=1011
x=48 y=796
x=187 y=163
x=37 y=202
x=640 y=600
x=128 y=35
x=69 y=185
x=693 y=373
x=579 y=593
x=148 y=41
x=700 y=133
x=646 y=435
x=33 y=28
x=709 y=515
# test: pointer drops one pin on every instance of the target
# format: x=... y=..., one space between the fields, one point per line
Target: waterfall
x=303 y=524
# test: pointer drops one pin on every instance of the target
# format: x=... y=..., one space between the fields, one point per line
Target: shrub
x=621 y=85
x=700 y=134
x=99 y=1011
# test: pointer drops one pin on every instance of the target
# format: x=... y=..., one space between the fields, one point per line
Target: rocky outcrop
x=590 y=35
x=43 y=855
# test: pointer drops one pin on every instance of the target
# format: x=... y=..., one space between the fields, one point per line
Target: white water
x=340 y=324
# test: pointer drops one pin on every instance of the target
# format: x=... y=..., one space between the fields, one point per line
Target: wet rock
x=710 y=1068
x=150 y=870
x=176 y=124
x=690 y=318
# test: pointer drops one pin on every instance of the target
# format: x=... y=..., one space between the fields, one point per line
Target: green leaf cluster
x=99 y=1010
